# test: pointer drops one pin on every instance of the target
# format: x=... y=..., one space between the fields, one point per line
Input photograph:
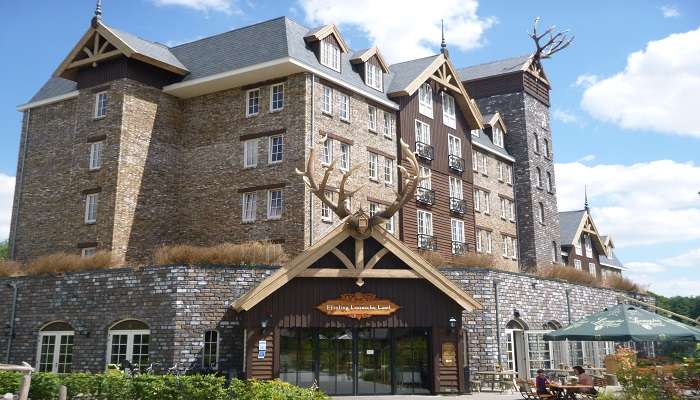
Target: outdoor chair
x=528 y=392
x=475 y=385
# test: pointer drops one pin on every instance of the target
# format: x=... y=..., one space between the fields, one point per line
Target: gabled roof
x=611 y=261
x=484 y=142
x=362 y=268
x=495 y=119
x=495 y=68
x=363 y=55
x=322 y=32
x=573 y=223
x=101 y=42
x=405 y=72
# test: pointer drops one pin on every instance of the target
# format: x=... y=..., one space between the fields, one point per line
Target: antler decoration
x=555 y=42
x=409 y=178
x=340 y=208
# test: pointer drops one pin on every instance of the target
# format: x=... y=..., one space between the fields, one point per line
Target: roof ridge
x=495 y=61
x=415 y=59
x=136 y=36
x=233 y=30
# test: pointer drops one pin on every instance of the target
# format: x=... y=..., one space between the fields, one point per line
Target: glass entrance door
x=373 y=361
x=412 y=361
x=335 y=352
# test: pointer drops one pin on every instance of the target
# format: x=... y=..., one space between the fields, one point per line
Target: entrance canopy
x=343 y=253
x=626 y=323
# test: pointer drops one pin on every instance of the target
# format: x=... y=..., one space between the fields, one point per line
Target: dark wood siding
x=440 y=170
x=513 y=83
x=260 y=368
x=123 y=67
x=294 y=305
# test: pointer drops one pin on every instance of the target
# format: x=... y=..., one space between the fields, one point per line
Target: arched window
x=55 y=352
x=551 y=325
x=129 y=341
x=550 y=182
x=538 y=177
x=210 y=351
x=516 y=324
x=537 y=143
x=555 y=252
x=541 y=213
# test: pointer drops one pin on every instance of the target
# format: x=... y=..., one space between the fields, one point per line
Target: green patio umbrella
x=624 y=323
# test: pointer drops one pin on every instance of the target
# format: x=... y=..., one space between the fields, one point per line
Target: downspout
x=498 y=322
x=13 y=308
x=24 y=143
x=312 y=136
x=568 y=304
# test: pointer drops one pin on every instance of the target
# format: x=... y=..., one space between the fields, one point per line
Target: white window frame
x=592 y=269
x=422 y=133
x=424 y=223
x=388 y=171
x=276 y=103
x=454 y=146
x=56 y=350
x=101 y=104
x=388 y=122
x=250 y=153
x=372 y=118
x=425 y=100
x=489 y=241
x=449 y=116
x=91 y=202
x=538 y=177
x=326 y=212
x=504 y=207
x=389 y=224
x=577 y=265
x=271 y=149
x=372 y=208
x=456 y=188
x=484 y=164
x=373 y=166
x=373 y=76
x=216 y=343
x=327 y=100
x=477 y=200
x=509 y=174
x=506 y=245
x=330 y=55
x=589 y=246
x=426 y=183
x=475 y=161
x=327 y=157
x=578 y=248
x=255 y=102
x=88 y=251
x=95 y=158
x=497 y=136
x=345 y=156
x=130 y=334
x=272 y=213
x=457 y=228
x=344 y=106
x=249 y=206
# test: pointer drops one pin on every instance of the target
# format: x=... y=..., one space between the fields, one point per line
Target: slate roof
x=153 y=50
x=485 y=140
x=405 y=72
x=494 y=68
x=611 y=261
x=569 y=222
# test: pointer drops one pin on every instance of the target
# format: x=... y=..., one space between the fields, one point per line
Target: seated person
x=584 y=379
x=541 y=382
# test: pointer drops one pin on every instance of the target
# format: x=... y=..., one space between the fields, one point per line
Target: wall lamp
x=452 y=323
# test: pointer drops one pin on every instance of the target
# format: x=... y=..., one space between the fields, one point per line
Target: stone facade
x=180 y=303
x=496 y=220
x=527 y=120
x=538 y=301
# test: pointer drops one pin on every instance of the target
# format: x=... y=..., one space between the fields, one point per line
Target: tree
x=4 y=250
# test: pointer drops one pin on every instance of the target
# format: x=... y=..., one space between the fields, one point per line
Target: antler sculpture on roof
x=555 y=42
x=409 y=178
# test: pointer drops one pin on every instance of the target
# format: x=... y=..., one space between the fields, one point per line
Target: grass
x=568 y=274
x=433 y=258
x=622 y=283
x=9 y=269
x=250 y=253
x=474 y=260
x=57 y=263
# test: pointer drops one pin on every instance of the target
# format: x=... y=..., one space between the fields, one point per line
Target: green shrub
x=44 y=386
x=81 y=384
x=272 y=390
x=9 y=382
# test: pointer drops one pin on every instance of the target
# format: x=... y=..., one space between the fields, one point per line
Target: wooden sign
x=358 y=306
x=449 y=355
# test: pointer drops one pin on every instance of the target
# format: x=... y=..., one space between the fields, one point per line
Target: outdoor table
x=569 y=391
x=492 y=376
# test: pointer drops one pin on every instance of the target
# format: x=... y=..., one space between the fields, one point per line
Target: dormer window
x=330 y=54
x=425 y=100
x=497 y=136
x=476 y=132
x=373 y=76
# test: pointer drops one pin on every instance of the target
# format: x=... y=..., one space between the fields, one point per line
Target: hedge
x=83 y=386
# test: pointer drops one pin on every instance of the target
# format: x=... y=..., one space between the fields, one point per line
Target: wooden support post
x=24 y=388
x=62 y=393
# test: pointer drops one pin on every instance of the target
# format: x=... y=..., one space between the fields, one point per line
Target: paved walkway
x=475 y=396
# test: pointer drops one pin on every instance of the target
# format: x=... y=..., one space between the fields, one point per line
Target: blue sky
x=624 y=99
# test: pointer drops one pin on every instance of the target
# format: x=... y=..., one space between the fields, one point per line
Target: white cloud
x=655 y=275
x=639 y=204
x=586 y=80
x=656 y=91
x=670 y=12
x=564 y=116
x=7 y=190
x=224 y=6
x=413 y=30
x=690 y=259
